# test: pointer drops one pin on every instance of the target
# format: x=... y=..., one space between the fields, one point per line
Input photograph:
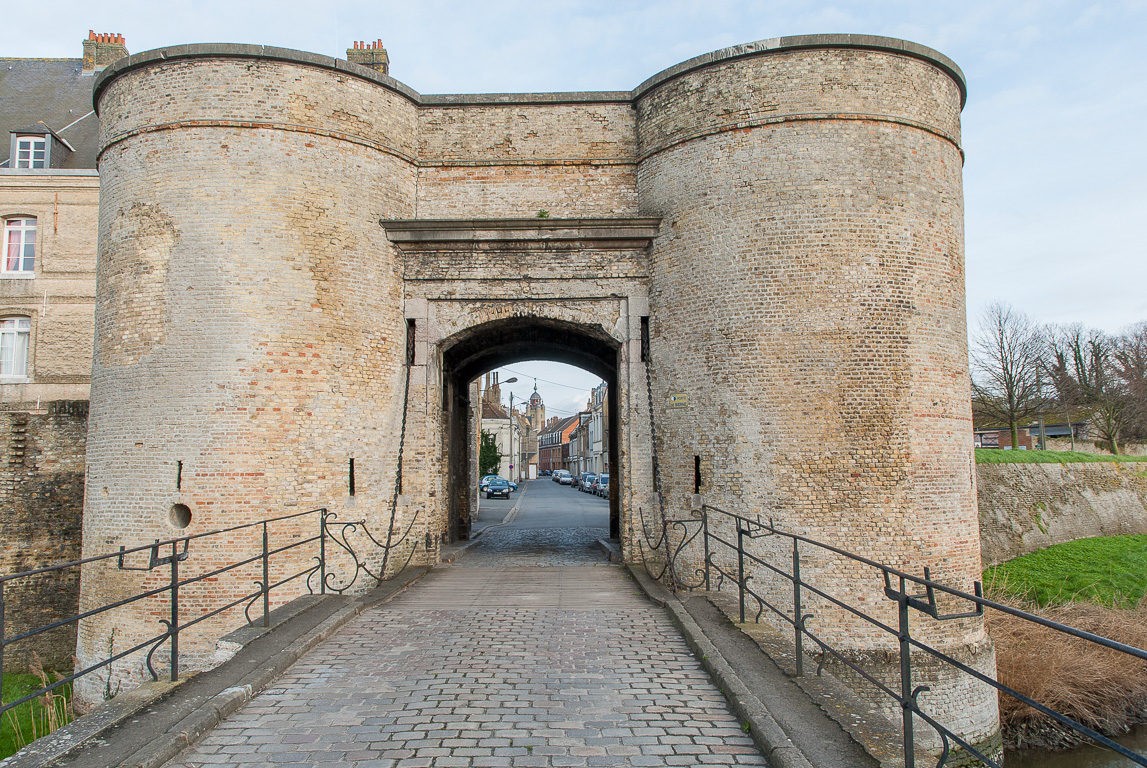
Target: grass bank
x=1110 y=571
x=35 y=718
x=999 y=456
x=1093 y=584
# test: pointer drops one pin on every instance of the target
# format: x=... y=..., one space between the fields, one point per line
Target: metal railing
x=334 y=568
x=908 y=591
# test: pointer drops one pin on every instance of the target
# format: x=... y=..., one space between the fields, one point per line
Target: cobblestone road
x=484 y=664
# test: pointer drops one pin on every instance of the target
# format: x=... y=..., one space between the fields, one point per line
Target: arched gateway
x=302 y=262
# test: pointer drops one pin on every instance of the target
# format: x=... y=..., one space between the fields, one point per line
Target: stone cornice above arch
x=627 y=233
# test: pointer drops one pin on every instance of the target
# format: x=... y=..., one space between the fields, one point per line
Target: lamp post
x=511 y=414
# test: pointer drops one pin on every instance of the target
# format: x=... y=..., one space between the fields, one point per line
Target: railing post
x=741 y=569
x=322 y=551
x=174 y=629
x=705 y=532
x=906 y=677
x=266 y=580
x=797 y=608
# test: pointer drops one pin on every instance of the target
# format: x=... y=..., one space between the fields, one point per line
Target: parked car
x=499 y=486
x=563 y=477
x=586 y=484
x=485 y=481
x=601 y=486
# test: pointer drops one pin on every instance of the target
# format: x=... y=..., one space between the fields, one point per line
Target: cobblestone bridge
x=530 y=650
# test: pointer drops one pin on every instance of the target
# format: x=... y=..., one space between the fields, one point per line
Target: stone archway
x=475 y=350
x=479 y=294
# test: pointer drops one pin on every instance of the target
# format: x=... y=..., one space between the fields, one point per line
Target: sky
x=1055 y=176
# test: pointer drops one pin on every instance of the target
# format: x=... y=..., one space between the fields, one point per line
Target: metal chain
x=398 y=471
x=657 y=477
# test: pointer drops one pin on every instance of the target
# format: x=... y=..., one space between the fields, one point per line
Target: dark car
x=498 y=487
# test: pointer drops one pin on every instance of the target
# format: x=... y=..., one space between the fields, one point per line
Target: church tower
x=536 y=411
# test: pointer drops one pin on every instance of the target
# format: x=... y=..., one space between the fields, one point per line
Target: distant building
x=553 y=443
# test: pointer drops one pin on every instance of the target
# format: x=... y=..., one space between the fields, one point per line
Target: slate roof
x=54 y=92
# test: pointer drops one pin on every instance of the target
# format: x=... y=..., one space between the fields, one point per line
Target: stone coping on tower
x=799 y=42
x=758 y=48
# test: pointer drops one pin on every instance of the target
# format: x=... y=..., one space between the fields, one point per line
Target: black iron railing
x=728 y=559
x=333 y=565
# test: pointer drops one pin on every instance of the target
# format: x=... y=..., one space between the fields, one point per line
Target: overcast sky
x=1055 y=180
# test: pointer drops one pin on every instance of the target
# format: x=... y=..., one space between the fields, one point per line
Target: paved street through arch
x=531 y=650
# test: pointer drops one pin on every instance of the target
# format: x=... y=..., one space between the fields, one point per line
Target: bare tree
x=1058 y=358
x=1130 y=356
x=1086 y=374
x=1006 y=356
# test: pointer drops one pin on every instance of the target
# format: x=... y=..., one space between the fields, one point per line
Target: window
x=31 y=151
x=19 y=248
x=14 y=332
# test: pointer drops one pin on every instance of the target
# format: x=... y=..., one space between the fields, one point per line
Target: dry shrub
x=1096 y=686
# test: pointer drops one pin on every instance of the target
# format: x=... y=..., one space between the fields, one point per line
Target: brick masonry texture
x=805 y=290
x=41 y=504
x=1027 y=507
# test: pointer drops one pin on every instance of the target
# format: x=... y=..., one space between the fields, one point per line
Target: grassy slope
x=1075 y=583
x=1106 y=570
x=998 y=456
x=17 y=687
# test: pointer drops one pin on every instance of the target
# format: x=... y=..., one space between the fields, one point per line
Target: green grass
x=999 y=456
x=17 y=687
x=1105 y=570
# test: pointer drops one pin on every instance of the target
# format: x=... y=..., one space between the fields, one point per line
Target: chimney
x=371 y=55
x=102 y=50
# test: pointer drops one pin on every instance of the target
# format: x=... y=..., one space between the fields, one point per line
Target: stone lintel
x=600 y=233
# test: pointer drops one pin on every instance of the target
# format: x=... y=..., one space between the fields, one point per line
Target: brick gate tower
x=303 y=261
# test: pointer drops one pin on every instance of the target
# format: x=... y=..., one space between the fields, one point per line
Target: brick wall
x=807 y=298
x=41 y=507
x=249 y=324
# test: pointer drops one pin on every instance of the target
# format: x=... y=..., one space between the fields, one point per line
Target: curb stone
x=764 y=730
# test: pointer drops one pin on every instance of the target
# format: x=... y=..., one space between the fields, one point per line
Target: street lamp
x=511 y=381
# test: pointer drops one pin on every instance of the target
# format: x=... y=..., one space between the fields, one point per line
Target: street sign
x=678 y=400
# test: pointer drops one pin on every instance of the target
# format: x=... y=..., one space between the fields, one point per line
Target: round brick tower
x=808 y=297
x=250 y=338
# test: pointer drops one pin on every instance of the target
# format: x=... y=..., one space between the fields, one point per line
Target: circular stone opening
x=179 y=516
